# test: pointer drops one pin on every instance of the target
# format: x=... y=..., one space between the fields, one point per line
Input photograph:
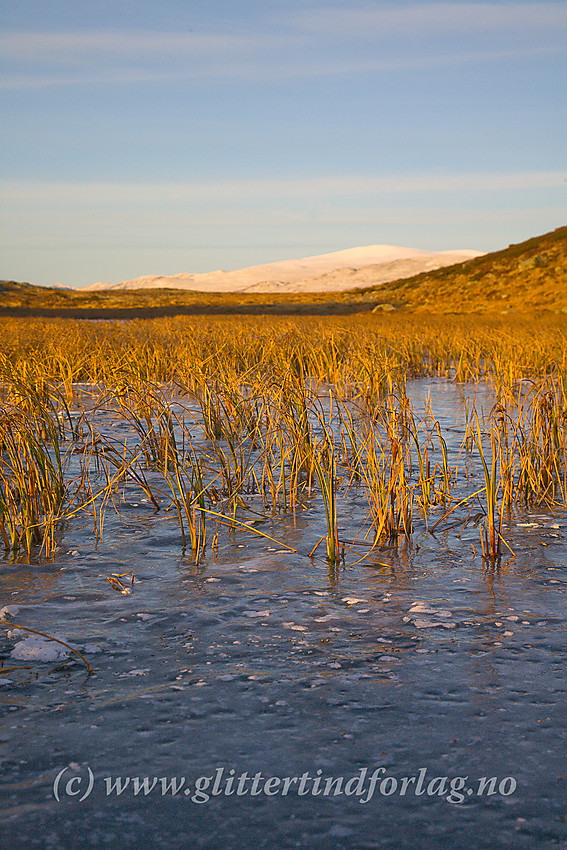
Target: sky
x=144 y=137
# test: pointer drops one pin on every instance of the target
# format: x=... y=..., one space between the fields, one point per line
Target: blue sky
x=162 y=137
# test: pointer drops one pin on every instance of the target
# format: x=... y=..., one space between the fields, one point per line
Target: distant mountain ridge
x=527 y=278
x=331 y=272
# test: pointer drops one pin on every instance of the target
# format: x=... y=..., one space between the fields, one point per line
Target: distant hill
x=321 y=273
x=529 y=276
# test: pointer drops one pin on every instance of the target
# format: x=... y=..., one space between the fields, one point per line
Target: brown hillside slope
x=529 y=276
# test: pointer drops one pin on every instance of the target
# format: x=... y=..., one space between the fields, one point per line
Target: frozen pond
x=445 y=673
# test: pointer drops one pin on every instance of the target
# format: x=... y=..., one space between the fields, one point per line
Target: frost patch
x=92 y=648
x=140 y=672
x=431 y=624
x=36 y=648
x=421 y=608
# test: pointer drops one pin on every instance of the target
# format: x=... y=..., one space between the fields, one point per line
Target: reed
x=491 y=535
x=323 y=461
x=364 y=351
x=386 y=467
x=33 y=485
x=283 y=409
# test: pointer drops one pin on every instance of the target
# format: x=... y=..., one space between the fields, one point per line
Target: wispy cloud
x=426 y=19
x=104 y=56
x=318 y=42
x=93 y=194
x=273 y=70
x=63 y=47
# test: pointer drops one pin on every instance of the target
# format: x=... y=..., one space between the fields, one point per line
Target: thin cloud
x=272 y=69
x=62 y=47
x=188 y=193
x=320 y=42
x=109 y=56
x=125 y=76
x=435 y=19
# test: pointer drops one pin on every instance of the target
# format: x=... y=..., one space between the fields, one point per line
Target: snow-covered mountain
x=333 y=272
